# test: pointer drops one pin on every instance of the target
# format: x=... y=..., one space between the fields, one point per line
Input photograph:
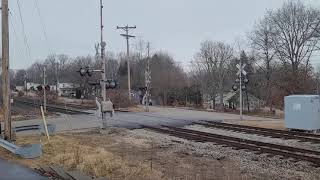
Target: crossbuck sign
x=241 y=69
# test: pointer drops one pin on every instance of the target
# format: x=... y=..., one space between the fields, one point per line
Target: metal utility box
x=302 y=112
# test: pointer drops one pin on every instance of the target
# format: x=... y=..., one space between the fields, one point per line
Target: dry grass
x=278 y=124
x=121 y=154
x=94 y=161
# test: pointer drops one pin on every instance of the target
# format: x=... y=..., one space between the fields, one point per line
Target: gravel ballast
x=254 y=137
x=255 y=166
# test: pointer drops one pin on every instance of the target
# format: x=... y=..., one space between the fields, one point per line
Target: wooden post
x=151 y=156
x=45 y=123
x=5 y=71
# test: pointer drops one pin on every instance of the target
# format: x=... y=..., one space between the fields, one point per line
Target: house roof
x=229 y=95
x=234 y=95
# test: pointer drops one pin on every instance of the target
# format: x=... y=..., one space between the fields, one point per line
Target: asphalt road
x=12 y=171
x=158 y=116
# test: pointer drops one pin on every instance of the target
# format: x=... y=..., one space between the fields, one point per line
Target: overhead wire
x=43 y=25
x=26 y=42
x=15 y=34
x=23 y=30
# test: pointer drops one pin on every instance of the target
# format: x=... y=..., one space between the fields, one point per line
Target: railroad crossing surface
x=159 y=116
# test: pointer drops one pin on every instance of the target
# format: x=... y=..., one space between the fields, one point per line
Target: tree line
x=278 y=62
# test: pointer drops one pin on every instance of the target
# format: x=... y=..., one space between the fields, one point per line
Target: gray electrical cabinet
x=302 y=112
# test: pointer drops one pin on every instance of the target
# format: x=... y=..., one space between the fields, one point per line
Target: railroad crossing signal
x=39 y=88
x=84 y=71
x=46 y=87
x=111 y=84
x=243 y=78
x=241 y=70
x=148 y=77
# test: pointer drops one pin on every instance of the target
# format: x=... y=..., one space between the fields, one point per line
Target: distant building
x=67 y=89
x=64 y=89
x=20 y=88
x=231 y=101
x=32 y=86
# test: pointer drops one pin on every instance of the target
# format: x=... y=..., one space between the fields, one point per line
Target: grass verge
x=71 y=154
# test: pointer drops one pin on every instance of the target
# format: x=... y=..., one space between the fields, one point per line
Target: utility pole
x=57 y=78
x=102 y=45
x=5 y=71
x=148 y=78
x=25 y=83
x=317 y=79
x=241 y=115
x=127 y=36
x=44 y=90
x=103 y=73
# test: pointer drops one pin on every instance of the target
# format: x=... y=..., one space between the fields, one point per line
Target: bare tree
x=167 y=77
x=205 y=69
x=294 y=28
x=214 y=59
x=18 y=78
x=261 y=42
x=223 y=54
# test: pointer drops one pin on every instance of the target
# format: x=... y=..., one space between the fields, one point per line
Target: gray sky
x=174 y=26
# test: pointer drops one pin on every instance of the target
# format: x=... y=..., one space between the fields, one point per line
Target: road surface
x=12 y=171
x=158 y=116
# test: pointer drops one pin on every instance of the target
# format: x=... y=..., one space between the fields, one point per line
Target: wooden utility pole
x=127 y=36
x=5 y=71
x=44 y=90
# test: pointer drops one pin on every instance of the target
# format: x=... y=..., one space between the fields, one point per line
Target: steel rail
x=267 y=133
x=237 y=143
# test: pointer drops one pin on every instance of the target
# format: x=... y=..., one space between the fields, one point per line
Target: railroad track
x=52 y=108
x=238 y=143
x=274 y=133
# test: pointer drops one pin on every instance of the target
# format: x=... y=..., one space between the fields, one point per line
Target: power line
x=36 y=5
x=23 y=30
x=15 y=34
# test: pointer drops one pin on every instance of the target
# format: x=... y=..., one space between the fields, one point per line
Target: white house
x=67 y=89
x=231 y=101
x=32 y=86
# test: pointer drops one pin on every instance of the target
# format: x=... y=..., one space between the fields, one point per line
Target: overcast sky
x=174 y=26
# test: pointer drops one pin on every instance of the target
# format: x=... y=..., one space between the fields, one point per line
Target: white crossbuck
x=241 y=69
